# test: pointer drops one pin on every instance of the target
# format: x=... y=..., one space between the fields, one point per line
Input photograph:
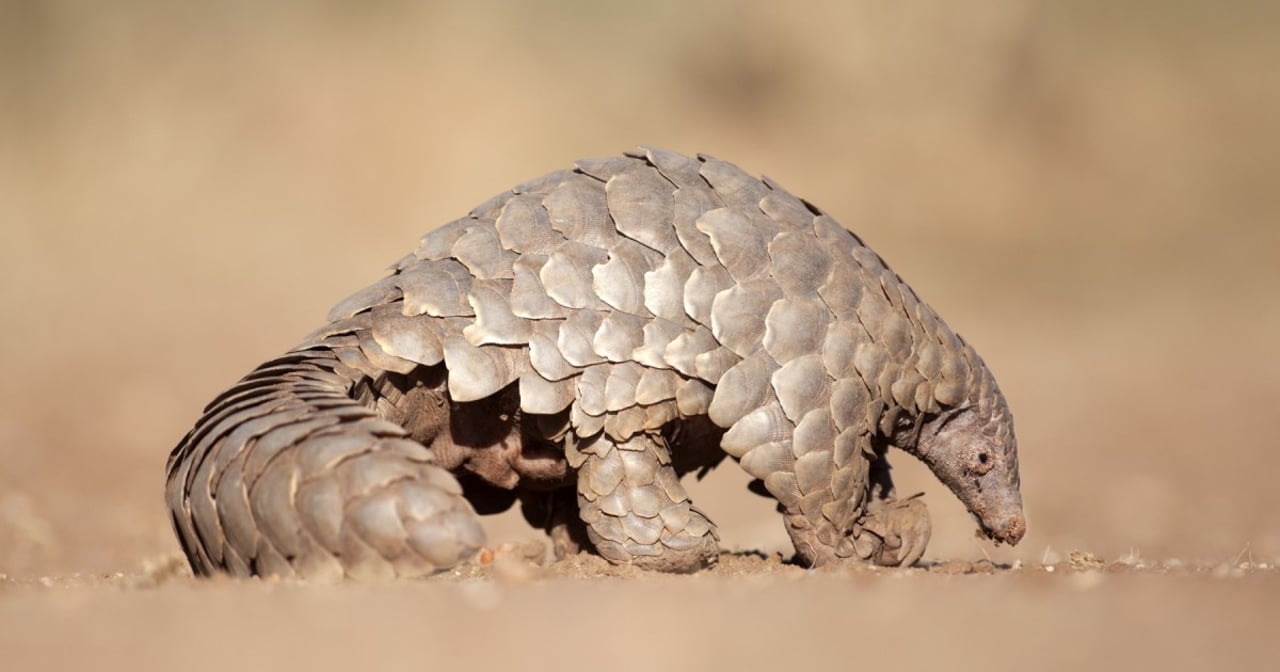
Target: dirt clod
x=1082 y=561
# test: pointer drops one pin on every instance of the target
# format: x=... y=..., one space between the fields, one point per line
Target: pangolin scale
x=577 y=344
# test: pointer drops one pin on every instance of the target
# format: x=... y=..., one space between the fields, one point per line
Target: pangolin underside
x=578 y=343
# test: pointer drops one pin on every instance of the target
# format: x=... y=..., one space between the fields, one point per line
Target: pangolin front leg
x=838 y=504
x=893 y=532
x=635 y=508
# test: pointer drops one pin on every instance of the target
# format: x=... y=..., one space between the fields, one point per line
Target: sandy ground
x=749 y=613
x=1086 y=192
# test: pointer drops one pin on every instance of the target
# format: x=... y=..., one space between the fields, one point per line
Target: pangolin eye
x=984 y=462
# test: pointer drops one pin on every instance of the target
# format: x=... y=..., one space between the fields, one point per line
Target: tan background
x=1087 y=191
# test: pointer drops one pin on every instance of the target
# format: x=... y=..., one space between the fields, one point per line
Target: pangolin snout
x=1010 y=530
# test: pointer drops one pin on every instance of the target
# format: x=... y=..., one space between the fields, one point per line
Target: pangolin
x=578 y=343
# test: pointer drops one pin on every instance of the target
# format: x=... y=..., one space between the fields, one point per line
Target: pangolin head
x=973 y=450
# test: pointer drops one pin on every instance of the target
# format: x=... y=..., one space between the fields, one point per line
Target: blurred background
x=1087 y=191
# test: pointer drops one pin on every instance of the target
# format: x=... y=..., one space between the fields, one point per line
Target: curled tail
x=287 y=474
